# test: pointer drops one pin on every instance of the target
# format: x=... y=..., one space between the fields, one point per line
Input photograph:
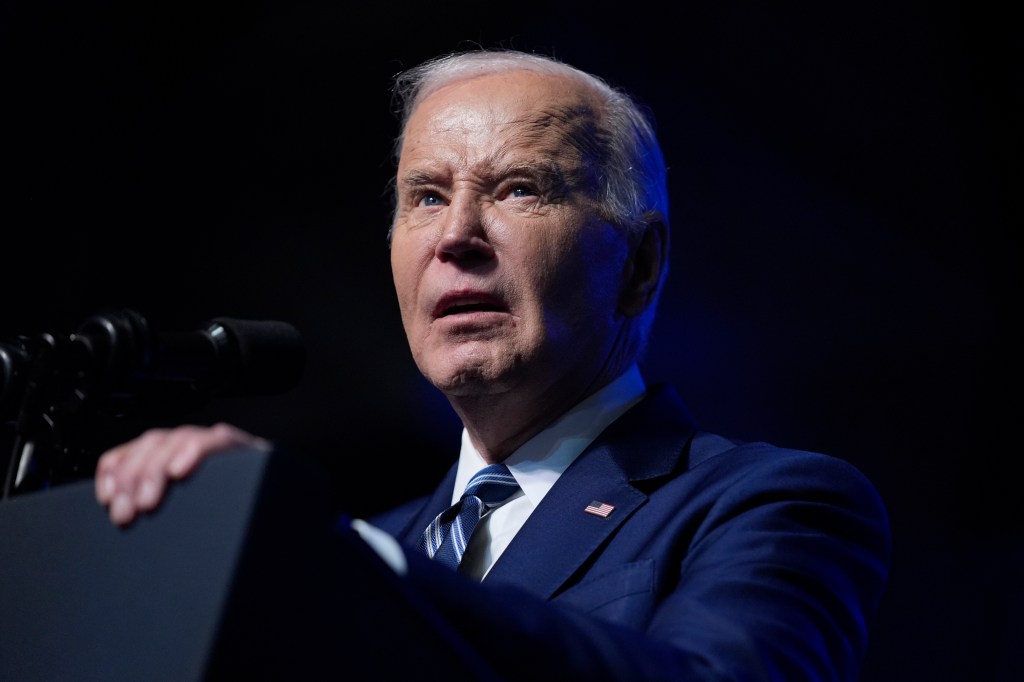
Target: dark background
x=842 y=273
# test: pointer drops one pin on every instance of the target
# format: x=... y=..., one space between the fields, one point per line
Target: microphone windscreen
x=271 y=354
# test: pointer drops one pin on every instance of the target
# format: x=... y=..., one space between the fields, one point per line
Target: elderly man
x=608 y=536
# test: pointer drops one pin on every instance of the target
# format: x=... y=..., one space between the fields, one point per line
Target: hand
x=133 y=477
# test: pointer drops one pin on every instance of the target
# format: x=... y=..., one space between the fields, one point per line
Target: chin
x=472 y=367
x=469 y=381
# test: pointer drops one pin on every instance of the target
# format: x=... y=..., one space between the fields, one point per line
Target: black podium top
x=81 y=599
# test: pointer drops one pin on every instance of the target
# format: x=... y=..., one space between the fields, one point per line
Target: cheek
x=554 y=260
x=587 y=275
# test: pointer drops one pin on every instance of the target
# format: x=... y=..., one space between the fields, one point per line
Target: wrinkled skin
x=511 y=285
x=516 y=295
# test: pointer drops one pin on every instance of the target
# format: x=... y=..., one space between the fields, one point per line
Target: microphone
x=225 y=356
x=118 y=356
x=68 y=395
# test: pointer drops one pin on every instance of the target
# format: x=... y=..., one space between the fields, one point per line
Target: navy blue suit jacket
x=719 y=561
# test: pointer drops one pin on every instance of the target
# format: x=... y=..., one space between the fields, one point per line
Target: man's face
x=507 y=277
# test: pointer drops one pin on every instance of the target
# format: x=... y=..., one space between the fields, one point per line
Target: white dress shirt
x=536 y=466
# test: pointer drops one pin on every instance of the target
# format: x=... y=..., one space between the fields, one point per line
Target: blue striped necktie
x=446 y=537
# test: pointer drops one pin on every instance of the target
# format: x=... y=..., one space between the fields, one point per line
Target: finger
x=203 y=442
x=133 y=478
x=115 y=469
x=136 y=479
x=104 y=480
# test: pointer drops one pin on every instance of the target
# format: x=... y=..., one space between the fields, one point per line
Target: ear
x=643 y=271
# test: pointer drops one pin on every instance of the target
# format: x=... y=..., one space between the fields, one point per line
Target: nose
x=464 y=236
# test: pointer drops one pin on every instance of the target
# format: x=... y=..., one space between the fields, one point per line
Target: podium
x=242 y=573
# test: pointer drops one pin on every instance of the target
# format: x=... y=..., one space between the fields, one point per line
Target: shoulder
x=659 y=443
x=741 y=476
x=758 y=458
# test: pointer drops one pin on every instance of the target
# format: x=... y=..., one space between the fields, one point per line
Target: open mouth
x=461 y=304
x=469 y=308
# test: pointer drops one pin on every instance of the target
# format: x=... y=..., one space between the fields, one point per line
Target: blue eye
x=431 y=200
x=522 y=191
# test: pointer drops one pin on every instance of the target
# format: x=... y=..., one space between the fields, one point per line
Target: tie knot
x=492 y=484
x=446 y=537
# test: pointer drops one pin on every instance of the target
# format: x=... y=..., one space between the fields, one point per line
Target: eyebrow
x=417 y=178
x=549 y=172
x=549 y=175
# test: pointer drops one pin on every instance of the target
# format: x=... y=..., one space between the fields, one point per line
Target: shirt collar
x=538 y=462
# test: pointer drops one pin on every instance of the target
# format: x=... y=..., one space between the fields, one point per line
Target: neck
x=499 y=423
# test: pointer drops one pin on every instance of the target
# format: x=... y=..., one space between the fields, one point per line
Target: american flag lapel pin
x=602 y=509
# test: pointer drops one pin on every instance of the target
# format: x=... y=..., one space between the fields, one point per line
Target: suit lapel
x=561 y=521
x=645 y=443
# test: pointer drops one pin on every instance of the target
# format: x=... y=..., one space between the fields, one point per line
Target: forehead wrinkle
x=506 y=159
x=549 y=134
x=569 y=123
x=576 y=127
x=559 y=142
